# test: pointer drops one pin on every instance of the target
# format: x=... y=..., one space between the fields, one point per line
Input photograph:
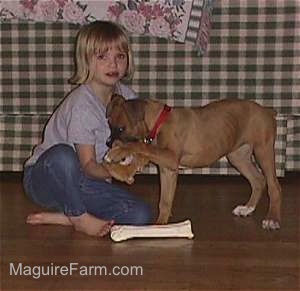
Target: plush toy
x=125 y=169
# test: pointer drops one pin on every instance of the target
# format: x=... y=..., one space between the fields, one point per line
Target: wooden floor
x=226 y=253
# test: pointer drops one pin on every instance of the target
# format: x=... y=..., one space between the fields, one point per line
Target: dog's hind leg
x=168 y=182
x=241 y=160
x=265 y=156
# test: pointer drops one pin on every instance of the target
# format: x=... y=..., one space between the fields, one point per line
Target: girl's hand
x=87 y=158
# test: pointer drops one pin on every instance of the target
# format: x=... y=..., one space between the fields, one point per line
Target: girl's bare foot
x=48 y=218
x=106 y=228
x=91 y=225
x=86 y=223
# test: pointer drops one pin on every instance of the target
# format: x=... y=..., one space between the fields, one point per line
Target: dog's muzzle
x=114 y=134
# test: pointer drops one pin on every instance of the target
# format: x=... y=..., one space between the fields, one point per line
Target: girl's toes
x=30 y=220
x=106 y=228
x=34 y=218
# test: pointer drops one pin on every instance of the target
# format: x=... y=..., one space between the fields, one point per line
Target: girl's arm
x=87 y=157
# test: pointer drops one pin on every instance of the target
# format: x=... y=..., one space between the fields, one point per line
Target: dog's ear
x=135 y=109
x=116 y=100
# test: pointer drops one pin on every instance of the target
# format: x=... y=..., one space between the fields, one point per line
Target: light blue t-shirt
x=80 y=119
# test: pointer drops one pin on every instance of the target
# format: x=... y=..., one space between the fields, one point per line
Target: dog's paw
x=270 y=224
x=117 y=154
x=162 y=219
x=242 y=210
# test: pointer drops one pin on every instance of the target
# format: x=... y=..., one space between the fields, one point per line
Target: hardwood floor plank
x=227 y=253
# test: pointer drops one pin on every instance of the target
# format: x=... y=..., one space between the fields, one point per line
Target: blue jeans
x=56 y=181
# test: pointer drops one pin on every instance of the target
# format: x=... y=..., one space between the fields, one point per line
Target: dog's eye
x=121 y=129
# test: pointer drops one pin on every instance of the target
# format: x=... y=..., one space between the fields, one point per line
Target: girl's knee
x=62 y=157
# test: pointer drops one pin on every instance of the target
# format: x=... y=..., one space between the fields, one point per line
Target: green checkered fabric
x=293 y=144
x=253 y=53
x=36 y=62
x=18 y=135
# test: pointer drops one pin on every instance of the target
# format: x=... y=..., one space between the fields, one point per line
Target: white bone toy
x=180 y=230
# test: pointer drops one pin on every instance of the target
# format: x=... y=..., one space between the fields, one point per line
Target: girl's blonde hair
x=95 y=38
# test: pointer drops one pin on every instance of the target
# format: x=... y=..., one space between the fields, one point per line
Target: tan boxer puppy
x=197 y=137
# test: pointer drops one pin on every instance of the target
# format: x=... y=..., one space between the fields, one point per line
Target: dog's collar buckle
x=148 y=140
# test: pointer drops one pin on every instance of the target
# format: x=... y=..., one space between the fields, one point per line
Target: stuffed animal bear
x=126 y=169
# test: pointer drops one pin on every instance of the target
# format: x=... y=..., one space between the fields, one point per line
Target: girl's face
x=110 y=66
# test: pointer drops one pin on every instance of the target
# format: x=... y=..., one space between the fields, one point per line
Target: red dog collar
x=162 y=117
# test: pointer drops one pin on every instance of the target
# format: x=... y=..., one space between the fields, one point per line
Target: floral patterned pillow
x=180 y=20
x=158 y=18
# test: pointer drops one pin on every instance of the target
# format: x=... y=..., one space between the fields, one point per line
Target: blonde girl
x=65 y=172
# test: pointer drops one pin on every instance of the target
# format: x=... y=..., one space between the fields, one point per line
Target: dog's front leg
x=162 y=157
x=168 y=181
